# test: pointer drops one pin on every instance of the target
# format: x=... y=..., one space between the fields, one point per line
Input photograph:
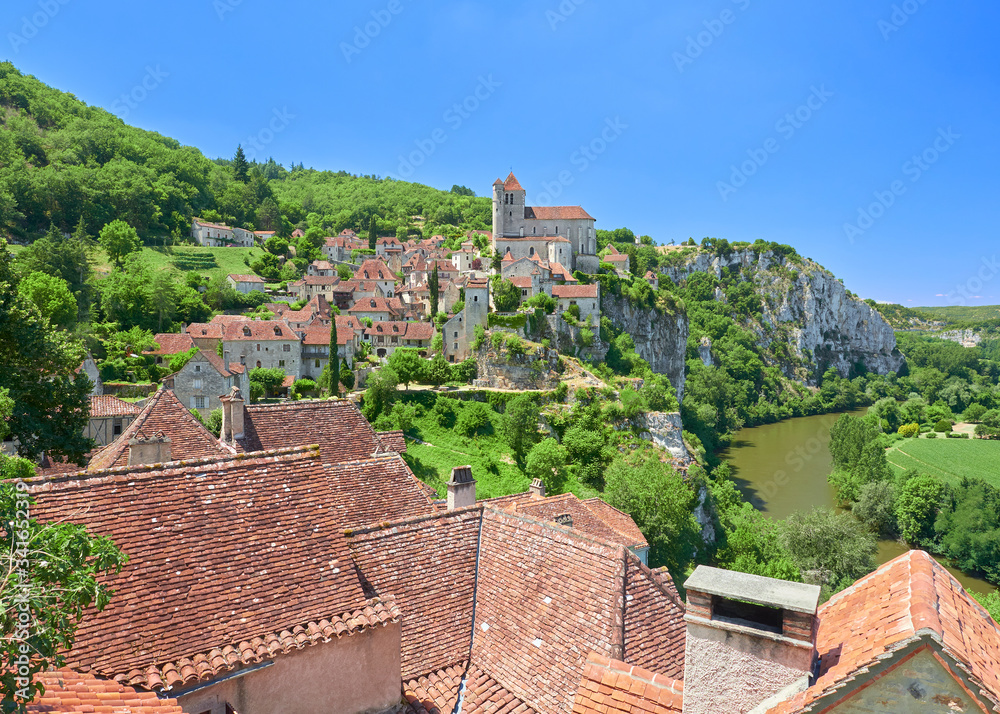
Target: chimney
x=751 y=641
x=537 y=488
x=232 y=416
x=461 y=488
x=152 y=450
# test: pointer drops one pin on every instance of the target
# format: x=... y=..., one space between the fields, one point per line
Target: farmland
x=949 y=459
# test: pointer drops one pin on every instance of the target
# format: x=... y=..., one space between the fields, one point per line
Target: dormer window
x=277 y=331
x=246 y=331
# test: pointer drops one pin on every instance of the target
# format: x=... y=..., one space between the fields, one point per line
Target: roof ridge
x=553 y=526
x=650 y=574
x=222 y=460
x=388 y=525
x=598 y=499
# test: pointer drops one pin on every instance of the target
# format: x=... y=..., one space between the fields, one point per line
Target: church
x=557 y=234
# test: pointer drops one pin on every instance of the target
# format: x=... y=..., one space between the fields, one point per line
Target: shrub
x=496 y=339
x=304 y=386
x=957 y=436
x=547 y=461
x=943 y=426
x=474 y=419
x=908 y=431
x=931 y=435
x=514 y=346
x=480 y=337
x=445 y=409
x=586 y=336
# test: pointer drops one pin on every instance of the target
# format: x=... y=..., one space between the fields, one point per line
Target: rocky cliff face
x=807 y=308
x=659 y=339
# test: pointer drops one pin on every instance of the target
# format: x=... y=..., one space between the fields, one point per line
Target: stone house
x=169 y=344
x=321 y=267
x=527 y=230
x=462 y=259
x=109 y=417
x=376 y=309
x=316 y=345
x=620 y=261
x=246 y=284
x=206 y=335
x=271 y=344
x=378 y=272
x=213 y=235
x=203 y=381
x=309 y=286
x=586 y=297
x=459 y=331
x=386 y=337
x=339 y=248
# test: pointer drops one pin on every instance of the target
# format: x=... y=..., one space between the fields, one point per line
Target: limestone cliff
x=808 y=319
x=660 y=339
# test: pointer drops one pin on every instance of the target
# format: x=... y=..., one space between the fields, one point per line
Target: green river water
x=783 y=467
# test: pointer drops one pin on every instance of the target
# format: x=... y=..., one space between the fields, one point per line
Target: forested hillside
x=62 y=161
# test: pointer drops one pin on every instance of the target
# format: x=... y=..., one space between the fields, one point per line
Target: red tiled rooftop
x=557 y=213
x=437 y=693
x=374 y=270
x=221 y=551
x=259 y=330
x=107 y=405
x=171 y=344
x=612 y=687
x=575 y=291
x=69 y=692
x=246 y=278
x=512 y=184
x=205 y=330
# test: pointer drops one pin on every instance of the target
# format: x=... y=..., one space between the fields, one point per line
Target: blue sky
x=864 y=133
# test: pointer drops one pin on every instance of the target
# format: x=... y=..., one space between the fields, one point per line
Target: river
x=782 y=468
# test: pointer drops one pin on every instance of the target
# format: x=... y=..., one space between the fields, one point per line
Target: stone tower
x=477 y=304
x=509 y=200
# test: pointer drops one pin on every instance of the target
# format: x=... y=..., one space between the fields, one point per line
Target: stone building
x=459 y=332
x=109 y=417
x=586 y=298
x=202 y=382
x=213 y=235
x=530 y=230
x=246 y=284
x=271 y=344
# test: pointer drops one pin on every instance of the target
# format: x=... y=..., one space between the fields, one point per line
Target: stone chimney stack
x=144 y=450
x=537 y=488
x=461 y=488
x=232 y=416
x=751 y=641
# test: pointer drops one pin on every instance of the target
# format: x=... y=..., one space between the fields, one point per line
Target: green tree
x=334 y=357
x=70 y=260
x=968 y=527
x=547 y=461
x=434 y=288
x=974 y=413
x=270 y=379
x=372 y=232
x=240 y=165
x=475 y=418
x=991 y=603
x=917 y=507
x=408 y=365
x=346 y=376
x=876 y=508
x=52 y=572
x=661 y=504
x=519 y=425
x=381 y=393
x=506 y=295
x=51 y=403
x=51 y=295
x=119 y=239
x=832 y=550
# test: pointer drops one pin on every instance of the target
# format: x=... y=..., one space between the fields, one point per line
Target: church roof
x=557 y=213
x=512 y=184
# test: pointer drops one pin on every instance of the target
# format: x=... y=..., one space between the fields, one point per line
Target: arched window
x=531 y=252
x=258 y=364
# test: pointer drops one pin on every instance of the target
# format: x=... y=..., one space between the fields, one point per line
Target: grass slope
x=204 y=261
x=949 y=459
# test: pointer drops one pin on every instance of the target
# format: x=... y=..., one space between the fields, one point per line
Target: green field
x=204 y=261
x=487 y=454
x=949 y=459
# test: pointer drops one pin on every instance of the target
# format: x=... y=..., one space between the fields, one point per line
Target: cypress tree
x=372 y=232
x=240 y=166
x=334 y=363
x=432 y=285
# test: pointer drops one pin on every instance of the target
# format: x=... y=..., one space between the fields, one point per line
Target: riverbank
x=781 y=468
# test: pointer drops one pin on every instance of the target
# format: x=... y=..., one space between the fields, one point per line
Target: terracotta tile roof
x=213 y=359
x=909 y=597
x=69 y=692
x=373 y=304
x=611 y=687
x=622 y=258
x=222 y=551
x=317 y=334
x=338 y=426
x=206 y=330
x=228 y=319
x=588 y=517
x=376 y=490
x=437 y=693
x=220 y=226
x=163 y=412
x=265 y=233
x=522 y=282
x=393 y=441
x=618 y=521
x=237 y=368
x=318 y=280
x=171 y=344
x=575 y=291
x=374 y=270
x=403 y=330
x=245 y=278
x=429 y=564
x=110 y=406
x=557 y=213
x=612 y=250
x=512 y=184
x=655 y=632
x=322 y=265
x=259 y=330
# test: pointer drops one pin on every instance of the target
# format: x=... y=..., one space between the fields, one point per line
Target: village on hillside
x=294 y=562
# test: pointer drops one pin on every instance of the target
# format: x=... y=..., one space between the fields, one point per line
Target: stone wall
x=534 y=370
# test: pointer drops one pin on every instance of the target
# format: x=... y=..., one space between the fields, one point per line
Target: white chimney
x=151 y=450
x=461 y=488
x=751 y=641
x=232 y=416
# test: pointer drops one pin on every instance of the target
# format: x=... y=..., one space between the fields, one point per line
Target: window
x=286 y=348
x=199 y=402
x=281 y=363
x=456 y=335
x=317 y=364
x=197 y=383
x=116 y=427
x=243 y=359
x=258 y=347
x=197 y=368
